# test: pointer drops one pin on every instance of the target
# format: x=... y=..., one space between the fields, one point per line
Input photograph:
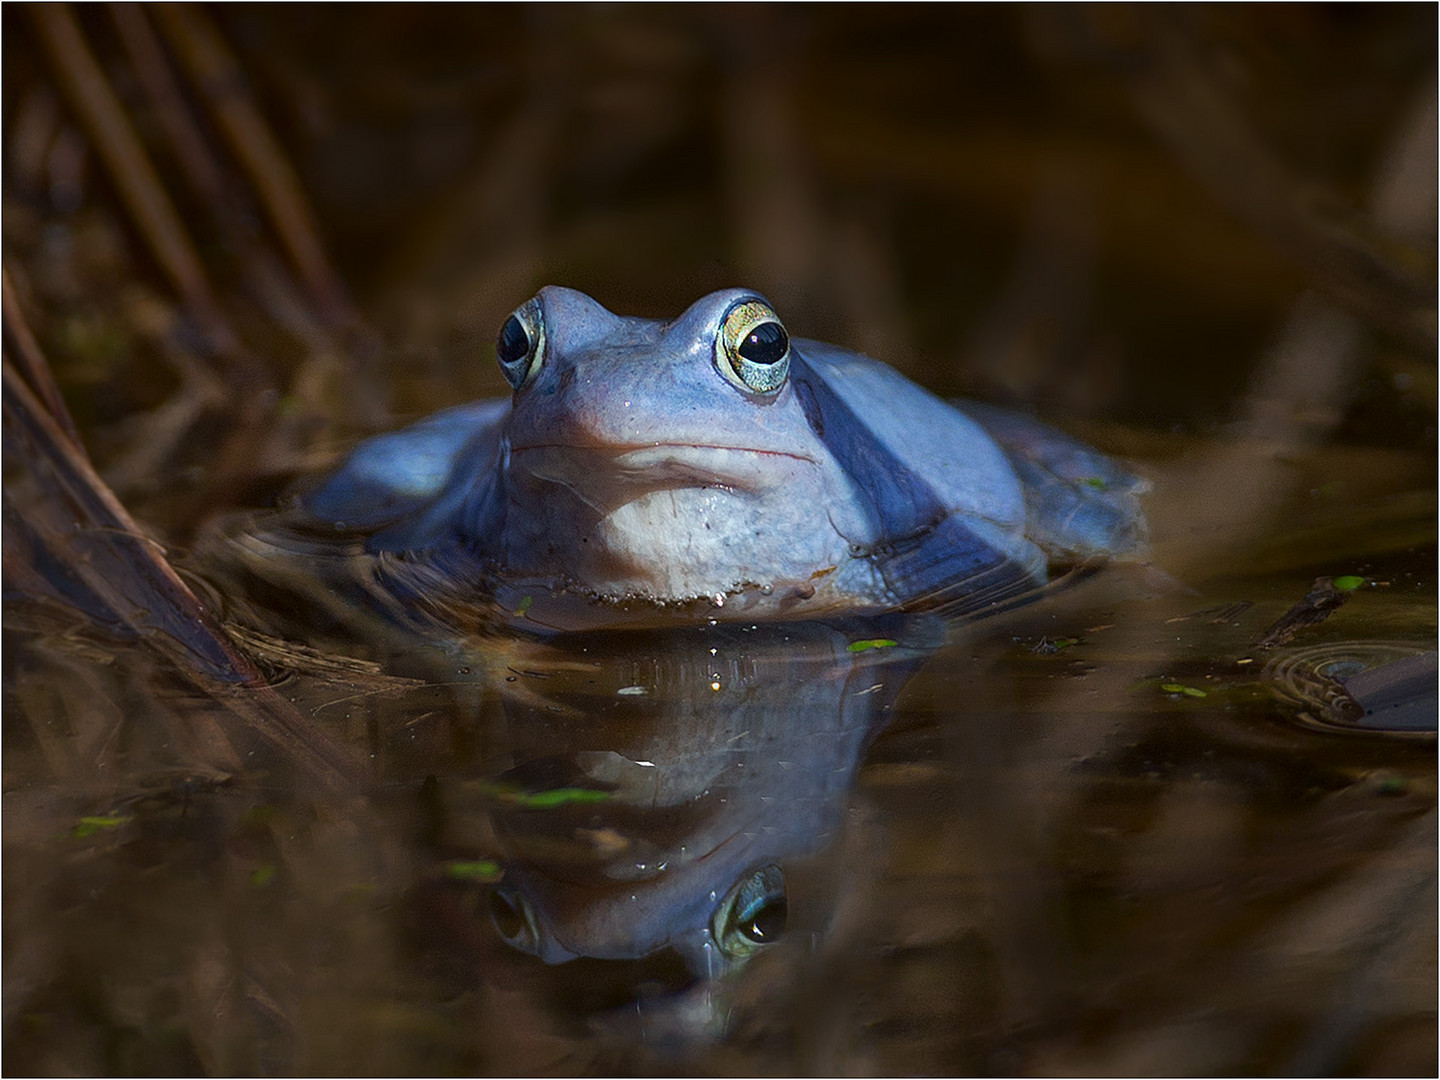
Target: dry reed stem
x=31 y=363
x=77 y=529
x=129 y=167
x=222 y=85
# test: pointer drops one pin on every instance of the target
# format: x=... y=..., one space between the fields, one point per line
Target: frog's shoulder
x=404 y=478
x=1027 y=492
x=853 y=401
x=944 y=496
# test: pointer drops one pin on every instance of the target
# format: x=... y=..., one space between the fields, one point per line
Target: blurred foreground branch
x=70 y=546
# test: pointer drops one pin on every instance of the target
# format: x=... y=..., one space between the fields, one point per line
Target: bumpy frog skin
x=714 y=459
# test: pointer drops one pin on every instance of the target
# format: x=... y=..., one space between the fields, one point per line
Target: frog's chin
x=678 y=544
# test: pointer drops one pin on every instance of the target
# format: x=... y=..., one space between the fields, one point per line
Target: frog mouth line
x=659 y=466
x=662 y=451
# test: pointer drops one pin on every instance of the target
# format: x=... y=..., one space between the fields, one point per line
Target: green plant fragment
x=1180 y=688
x=473 y=870
x=91 y=825
x=871 y=643
x=544 y=800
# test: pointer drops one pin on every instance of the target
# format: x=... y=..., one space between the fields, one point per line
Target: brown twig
x=232 y=211
x=31 y=362
x=222 y=84
x=1317 y=605
x=154 y=73
x=81 y=525
x=130 y=169
x=70 y=542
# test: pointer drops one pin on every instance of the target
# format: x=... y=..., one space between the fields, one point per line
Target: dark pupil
x=768 y=923
x=509 y=920
x=513 y=343
x=766 y=344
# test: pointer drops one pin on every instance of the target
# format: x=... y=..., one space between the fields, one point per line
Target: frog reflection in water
x=672 y=783
x=713 y=475
x=716 y=462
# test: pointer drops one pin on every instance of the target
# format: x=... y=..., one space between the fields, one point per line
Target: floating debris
x=1216 y=615
x=292 y=656
x=1180 y=688
x=1314 y=607
x=1230 y=612
x=1048 y=646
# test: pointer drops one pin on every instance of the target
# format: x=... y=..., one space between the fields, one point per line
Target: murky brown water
x=1107 y=833
x=1039 y=860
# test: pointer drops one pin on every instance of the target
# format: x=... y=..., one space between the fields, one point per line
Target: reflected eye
x=520 y=347
x=514 y=920
x=753 y=915
x=753 y=350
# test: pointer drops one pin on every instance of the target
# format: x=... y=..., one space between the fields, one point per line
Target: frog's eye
x=753 y=349
x=752 y=915
x=521 y=344
x=515 y=920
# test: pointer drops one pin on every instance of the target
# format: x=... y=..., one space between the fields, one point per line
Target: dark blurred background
x=1101 y=212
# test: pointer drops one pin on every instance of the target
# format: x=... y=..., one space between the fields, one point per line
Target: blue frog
x=715 y=461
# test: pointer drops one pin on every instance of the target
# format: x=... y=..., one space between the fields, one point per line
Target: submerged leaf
x=871 y=643
x=543 y=800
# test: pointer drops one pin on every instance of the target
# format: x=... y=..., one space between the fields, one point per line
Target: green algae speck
x=871 y=643
x=484 y=870
x=1179 y=688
